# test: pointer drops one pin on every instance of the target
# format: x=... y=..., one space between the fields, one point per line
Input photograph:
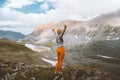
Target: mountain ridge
x=11 y=35
x=103 y=27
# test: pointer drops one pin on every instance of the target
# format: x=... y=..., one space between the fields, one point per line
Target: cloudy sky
x=24 y=15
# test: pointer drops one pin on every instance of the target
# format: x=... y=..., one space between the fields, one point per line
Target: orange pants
x=60 y=55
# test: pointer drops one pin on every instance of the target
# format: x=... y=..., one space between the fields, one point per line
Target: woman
x=60 y=49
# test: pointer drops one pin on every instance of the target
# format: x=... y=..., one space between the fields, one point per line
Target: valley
x=92 y=51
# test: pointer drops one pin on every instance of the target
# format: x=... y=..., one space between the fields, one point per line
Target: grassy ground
x=11 y=46
x=20 y=63
x=13 y=52
x=28 y=72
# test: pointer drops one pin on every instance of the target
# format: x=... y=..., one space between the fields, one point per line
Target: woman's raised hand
x=65 y=27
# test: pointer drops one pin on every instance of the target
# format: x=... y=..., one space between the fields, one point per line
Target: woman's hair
x=59 y=31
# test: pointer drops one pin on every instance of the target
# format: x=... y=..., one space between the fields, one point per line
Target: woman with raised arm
x=60 y=49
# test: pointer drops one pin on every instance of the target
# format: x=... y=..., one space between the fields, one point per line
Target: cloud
x=24 y=30
x=63 y=9
x=44 y=6
x=18 y=3
x=87 y=7
x=13 y=23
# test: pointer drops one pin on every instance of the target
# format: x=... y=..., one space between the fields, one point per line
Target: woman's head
x=59 y=31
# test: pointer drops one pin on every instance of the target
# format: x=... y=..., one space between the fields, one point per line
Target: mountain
x=103 y=27
x=92 y=51
x=11 y=35
x=95 y=41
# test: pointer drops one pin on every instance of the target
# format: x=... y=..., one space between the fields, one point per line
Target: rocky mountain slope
x=104 y=27
x=11 y=35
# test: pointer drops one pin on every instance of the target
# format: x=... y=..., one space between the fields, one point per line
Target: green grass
x=15 y=52
x=12 y=46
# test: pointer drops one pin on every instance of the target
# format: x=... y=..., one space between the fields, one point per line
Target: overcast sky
x=24 y=15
